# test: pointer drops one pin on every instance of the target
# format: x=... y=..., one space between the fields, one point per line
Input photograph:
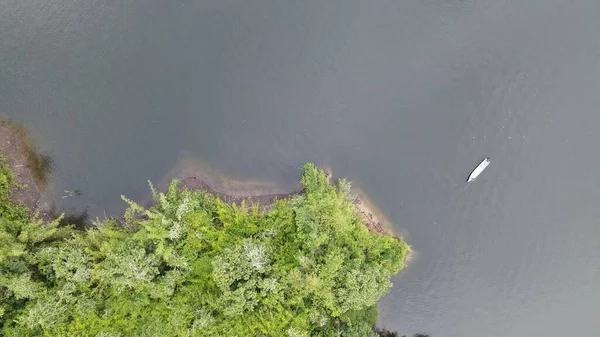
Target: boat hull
x=478 y=170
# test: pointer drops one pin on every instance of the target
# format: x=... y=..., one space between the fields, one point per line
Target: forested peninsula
x=197 y=264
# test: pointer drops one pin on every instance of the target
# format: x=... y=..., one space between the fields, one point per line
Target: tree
x=194 y=265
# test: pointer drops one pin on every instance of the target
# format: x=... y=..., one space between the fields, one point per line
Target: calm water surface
x=403 y=97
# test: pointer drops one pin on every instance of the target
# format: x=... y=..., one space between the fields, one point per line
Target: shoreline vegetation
x=194 y=174
x=197 y=262
x=28 y=166
x=264 y=201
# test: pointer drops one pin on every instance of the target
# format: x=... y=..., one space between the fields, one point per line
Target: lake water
x=402 y=97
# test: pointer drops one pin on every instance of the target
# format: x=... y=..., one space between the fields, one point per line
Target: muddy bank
x=30 y=192
x=265 y=200
x=195 y=174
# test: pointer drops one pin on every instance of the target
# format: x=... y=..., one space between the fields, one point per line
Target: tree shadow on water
x=79 y=220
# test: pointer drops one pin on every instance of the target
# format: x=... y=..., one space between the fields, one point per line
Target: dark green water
x=404 y=98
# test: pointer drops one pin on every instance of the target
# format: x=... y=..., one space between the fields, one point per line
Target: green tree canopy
x=192 y=265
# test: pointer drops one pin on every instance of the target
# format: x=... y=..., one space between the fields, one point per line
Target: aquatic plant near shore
x=194 y=265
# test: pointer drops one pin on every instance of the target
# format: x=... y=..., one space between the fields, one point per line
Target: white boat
x=477 y=171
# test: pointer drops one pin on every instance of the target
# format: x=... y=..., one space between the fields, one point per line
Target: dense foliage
x=194 y=266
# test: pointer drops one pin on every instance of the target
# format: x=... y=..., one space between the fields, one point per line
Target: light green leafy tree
x=192 y=265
